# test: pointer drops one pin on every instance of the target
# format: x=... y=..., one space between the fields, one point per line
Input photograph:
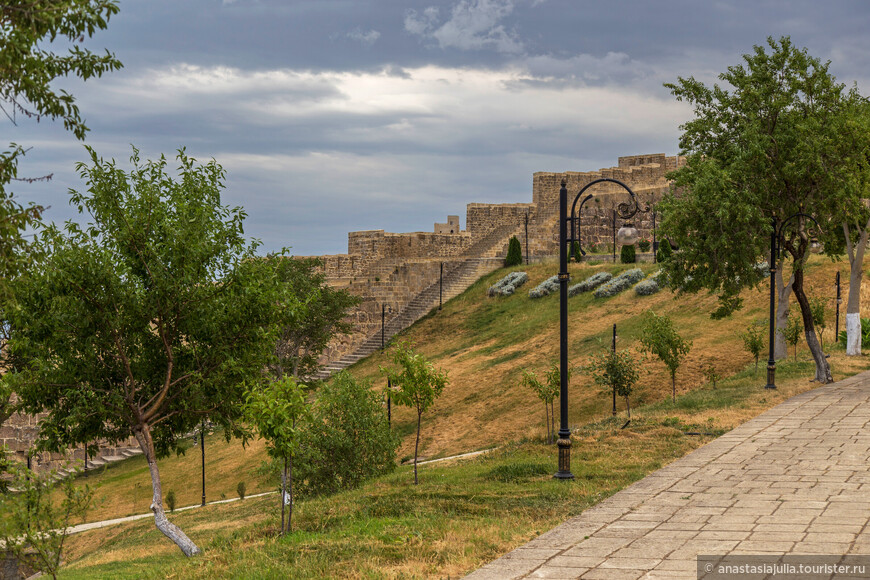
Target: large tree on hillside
x=762 y=150
x=146 y=321
x=318 y=312
x=854 y=214
x=27 y=69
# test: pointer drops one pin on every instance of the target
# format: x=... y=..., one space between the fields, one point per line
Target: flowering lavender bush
x=508 y=285
x=622 y=282
x=545 y=288
x=590 y=283
x=647 y=287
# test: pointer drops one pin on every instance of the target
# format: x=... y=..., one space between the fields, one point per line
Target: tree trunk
x=674 y=386
x=823 y=370
x=853 y=305
x=290 y=487
x=552 y=422
x=783 y=291
x=283 y=494
x=547 y=411
x=170 y=530
x=627 y=407
x=417 y=445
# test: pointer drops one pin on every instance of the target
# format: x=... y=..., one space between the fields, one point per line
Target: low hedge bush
x=508 y=285
x=545 y=288
x=590 y=283
x=647 y=287
x=622 y=282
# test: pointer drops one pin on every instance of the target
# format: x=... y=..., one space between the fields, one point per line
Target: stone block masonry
x=391 y=269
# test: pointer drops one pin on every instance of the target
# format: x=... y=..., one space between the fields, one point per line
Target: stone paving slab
x=794 y=480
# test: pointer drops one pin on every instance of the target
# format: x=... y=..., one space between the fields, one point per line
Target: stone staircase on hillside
x=456 y=281
x=97 y=462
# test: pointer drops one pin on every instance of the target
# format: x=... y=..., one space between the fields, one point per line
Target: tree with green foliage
x=768 y=148
x=659 y=337
x=514 y=254
x=753 y=342
x=575 y=252
x=416 y=383
x=147 y=321
x=36 y=518
x=27 y=71
x=627 y=255
x=792 y=333
x=275 y=410
x=817 y=308
x=346 y=439
x=547 y=393
x=711 y=373
x=316 y=312
x=616 y=371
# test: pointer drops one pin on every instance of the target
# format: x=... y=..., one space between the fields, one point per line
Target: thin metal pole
x=614 y=236
x=771 y=363
x=527 y=237
x=564 y=442
x=613 y=348
x=202 y=446
x=655 y=243
x=441 y=286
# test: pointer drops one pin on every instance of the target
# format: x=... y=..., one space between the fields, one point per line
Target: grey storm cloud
x=339 y=115
x=472 y=25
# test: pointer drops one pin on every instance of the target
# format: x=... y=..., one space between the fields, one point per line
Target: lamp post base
x=564 y=444
x=771 y=375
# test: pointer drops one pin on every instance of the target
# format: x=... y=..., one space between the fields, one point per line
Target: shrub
x=665 y=251
x=545 y=288
x=712 y=375
x=817 y=309
x=590 y=283
x=753 y=342
x=346 y=440
x=647 y=287
x=575 y=252
x=792 y=332
x=170 y=501
x=627 y=255
x=643 y=245
x=508 y=285
x=515 y=253
x=622 y=282
x=241 y=489
x=865 y=333
x=617 y=372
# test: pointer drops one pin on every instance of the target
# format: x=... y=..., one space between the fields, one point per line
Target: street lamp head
x=816 y=247
x=627 y=235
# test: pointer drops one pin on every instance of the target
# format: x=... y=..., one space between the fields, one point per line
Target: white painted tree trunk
x=170 y=530
x=853 y=334
x=856 y=273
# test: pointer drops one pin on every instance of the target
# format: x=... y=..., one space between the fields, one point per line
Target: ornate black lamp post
x=568 y=228
x=815 y=248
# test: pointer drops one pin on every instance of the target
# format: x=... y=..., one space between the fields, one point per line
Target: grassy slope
x=456 y=519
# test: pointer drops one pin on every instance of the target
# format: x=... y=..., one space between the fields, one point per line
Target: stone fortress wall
x=389 y=269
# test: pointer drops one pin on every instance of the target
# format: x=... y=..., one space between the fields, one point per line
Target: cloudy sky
x=339 y=115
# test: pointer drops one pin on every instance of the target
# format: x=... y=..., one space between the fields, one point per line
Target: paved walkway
x=795 y=480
